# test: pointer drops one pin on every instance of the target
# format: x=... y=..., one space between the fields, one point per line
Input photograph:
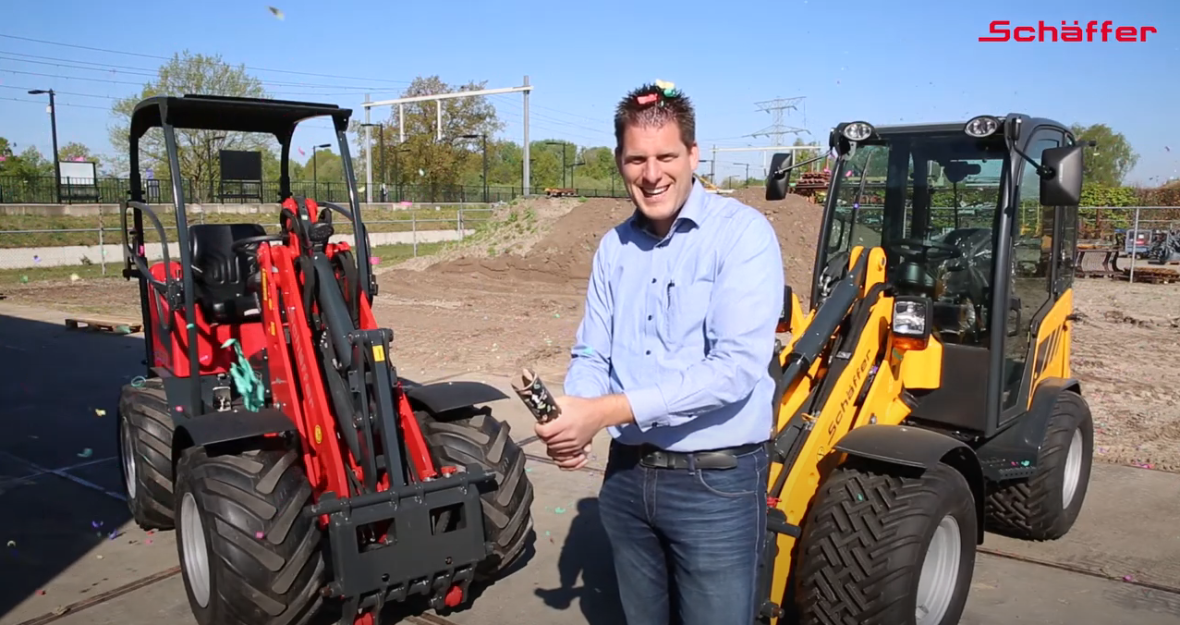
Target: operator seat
x=226 y=282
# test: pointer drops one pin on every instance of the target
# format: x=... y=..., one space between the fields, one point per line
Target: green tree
x=197 y=149
x=1108 y=163
x=28 y=166
x=75 y=151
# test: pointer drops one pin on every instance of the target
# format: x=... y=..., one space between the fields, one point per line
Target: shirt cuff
x=648 y=407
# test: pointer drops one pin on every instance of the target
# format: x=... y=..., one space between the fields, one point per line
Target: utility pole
x=527 y=183
x=777 y=130
x=368 y=157
x=53 y=127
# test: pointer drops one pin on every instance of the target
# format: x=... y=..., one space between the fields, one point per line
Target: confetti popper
x=536 y=396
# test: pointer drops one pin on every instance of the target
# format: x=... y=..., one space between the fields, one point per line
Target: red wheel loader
x=270 y=428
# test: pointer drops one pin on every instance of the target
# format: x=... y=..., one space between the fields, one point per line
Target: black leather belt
x=656 y=458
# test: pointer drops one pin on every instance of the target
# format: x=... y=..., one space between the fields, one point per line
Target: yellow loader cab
x=926 y=395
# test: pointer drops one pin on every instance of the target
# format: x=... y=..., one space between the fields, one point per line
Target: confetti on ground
x=12 y=543
x=259 y=535
x=86 y=453
x=100 y=412
x=559 y=510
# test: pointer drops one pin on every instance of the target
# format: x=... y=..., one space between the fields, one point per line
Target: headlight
x=911 y=317
x=982 y=126
x=858 y=131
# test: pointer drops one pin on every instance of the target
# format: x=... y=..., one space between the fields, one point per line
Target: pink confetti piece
x=375 y=260
x=259 y=535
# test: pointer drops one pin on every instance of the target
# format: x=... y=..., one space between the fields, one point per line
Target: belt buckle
x=654 y=459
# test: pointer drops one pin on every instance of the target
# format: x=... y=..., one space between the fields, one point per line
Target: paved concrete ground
x=60 y=510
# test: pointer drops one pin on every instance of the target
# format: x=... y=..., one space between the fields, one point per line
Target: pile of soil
x=565 y=254
x=562 y=256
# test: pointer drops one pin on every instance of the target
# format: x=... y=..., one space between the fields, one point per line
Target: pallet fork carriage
x=273 y=431
x=925 y=396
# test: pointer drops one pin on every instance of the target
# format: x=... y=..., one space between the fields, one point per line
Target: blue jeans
x=687 y=542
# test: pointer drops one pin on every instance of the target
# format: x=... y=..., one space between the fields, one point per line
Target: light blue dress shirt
x=684 y=326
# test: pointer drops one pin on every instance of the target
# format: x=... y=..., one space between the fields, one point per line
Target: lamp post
x=315 y=183
x=53 y=125
x=484 y=136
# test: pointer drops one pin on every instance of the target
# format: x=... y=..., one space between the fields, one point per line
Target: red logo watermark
x=1092 y=31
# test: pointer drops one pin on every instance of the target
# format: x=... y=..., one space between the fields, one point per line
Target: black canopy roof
x=277 y=117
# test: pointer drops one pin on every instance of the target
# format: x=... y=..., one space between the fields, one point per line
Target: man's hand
x=570 y=433
x=568 y=437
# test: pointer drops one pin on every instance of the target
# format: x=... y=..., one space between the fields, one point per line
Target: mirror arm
x=1042 y=171
x=784 y=170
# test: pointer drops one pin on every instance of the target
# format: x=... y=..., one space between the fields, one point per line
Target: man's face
x=657 y=169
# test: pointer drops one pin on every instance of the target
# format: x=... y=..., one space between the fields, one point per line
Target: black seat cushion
x=226 y=282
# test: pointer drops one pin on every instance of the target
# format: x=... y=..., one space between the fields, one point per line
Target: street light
x=315 y=183
x=484 y=136
x=53 y=125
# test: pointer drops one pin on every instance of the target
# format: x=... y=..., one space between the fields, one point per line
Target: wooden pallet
x=104 y=325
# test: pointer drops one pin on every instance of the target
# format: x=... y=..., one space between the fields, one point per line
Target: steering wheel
x=917 y=250
x=241 y=244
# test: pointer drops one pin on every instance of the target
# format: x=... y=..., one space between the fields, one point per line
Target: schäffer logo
x=1092 y=31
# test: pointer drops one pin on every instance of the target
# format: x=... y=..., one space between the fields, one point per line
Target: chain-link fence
x=56 y=247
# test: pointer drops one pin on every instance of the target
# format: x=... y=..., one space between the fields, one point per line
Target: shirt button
x=648 y=352
x=653 y=280
x=649 y=317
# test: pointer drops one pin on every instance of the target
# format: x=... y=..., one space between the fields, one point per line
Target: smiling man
x=672 y=357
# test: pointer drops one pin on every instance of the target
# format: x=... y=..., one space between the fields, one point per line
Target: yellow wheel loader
x=925 y=396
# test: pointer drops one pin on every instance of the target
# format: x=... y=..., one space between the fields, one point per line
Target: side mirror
x=778 y=185
x=1063 y=187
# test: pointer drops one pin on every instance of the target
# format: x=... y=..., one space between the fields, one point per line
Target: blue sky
x=879 y=61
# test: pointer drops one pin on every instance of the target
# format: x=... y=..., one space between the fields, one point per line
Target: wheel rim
x=940 y=573
x=196 y=556
x=1073 y=469
x=128 y=448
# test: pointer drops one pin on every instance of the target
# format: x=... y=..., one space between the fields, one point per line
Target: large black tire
x=240 y=515
x=476 y=438
x=145 y=430
x=1046 y=505
x=867 y=537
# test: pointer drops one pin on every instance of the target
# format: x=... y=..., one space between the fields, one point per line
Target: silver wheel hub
x=1073 y=469
x=940 y=573
x=127 y=443
x=196 y=553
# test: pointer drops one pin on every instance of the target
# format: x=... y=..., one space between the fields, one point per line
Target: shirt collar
x=693 y=211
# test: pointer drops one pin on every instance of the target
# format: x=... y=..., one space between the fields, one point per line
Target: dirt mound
x=565 y=255
x=562 y=256
x=797 y=223
x=512 y=229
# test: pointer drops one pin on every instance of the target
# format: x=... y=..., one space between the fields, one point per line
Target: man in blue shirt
x=672 y=357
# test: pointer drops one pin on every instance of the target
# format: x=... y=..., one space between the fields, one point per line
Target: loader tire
x=881 y=540
x=473 y=437
x=1045 y=506
x=247 y=555
x=145 y=453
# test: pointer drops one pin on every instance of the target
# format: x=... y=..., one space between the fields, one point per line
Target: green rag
x=246 y=381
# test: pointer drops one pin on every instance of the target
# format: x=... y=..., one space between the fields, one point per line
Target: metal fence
x=41 y=190
x=59 y=253
x=71 y=245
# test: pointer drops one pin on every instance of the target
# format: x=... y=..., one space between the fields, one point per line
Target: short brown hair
x=653 y=105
